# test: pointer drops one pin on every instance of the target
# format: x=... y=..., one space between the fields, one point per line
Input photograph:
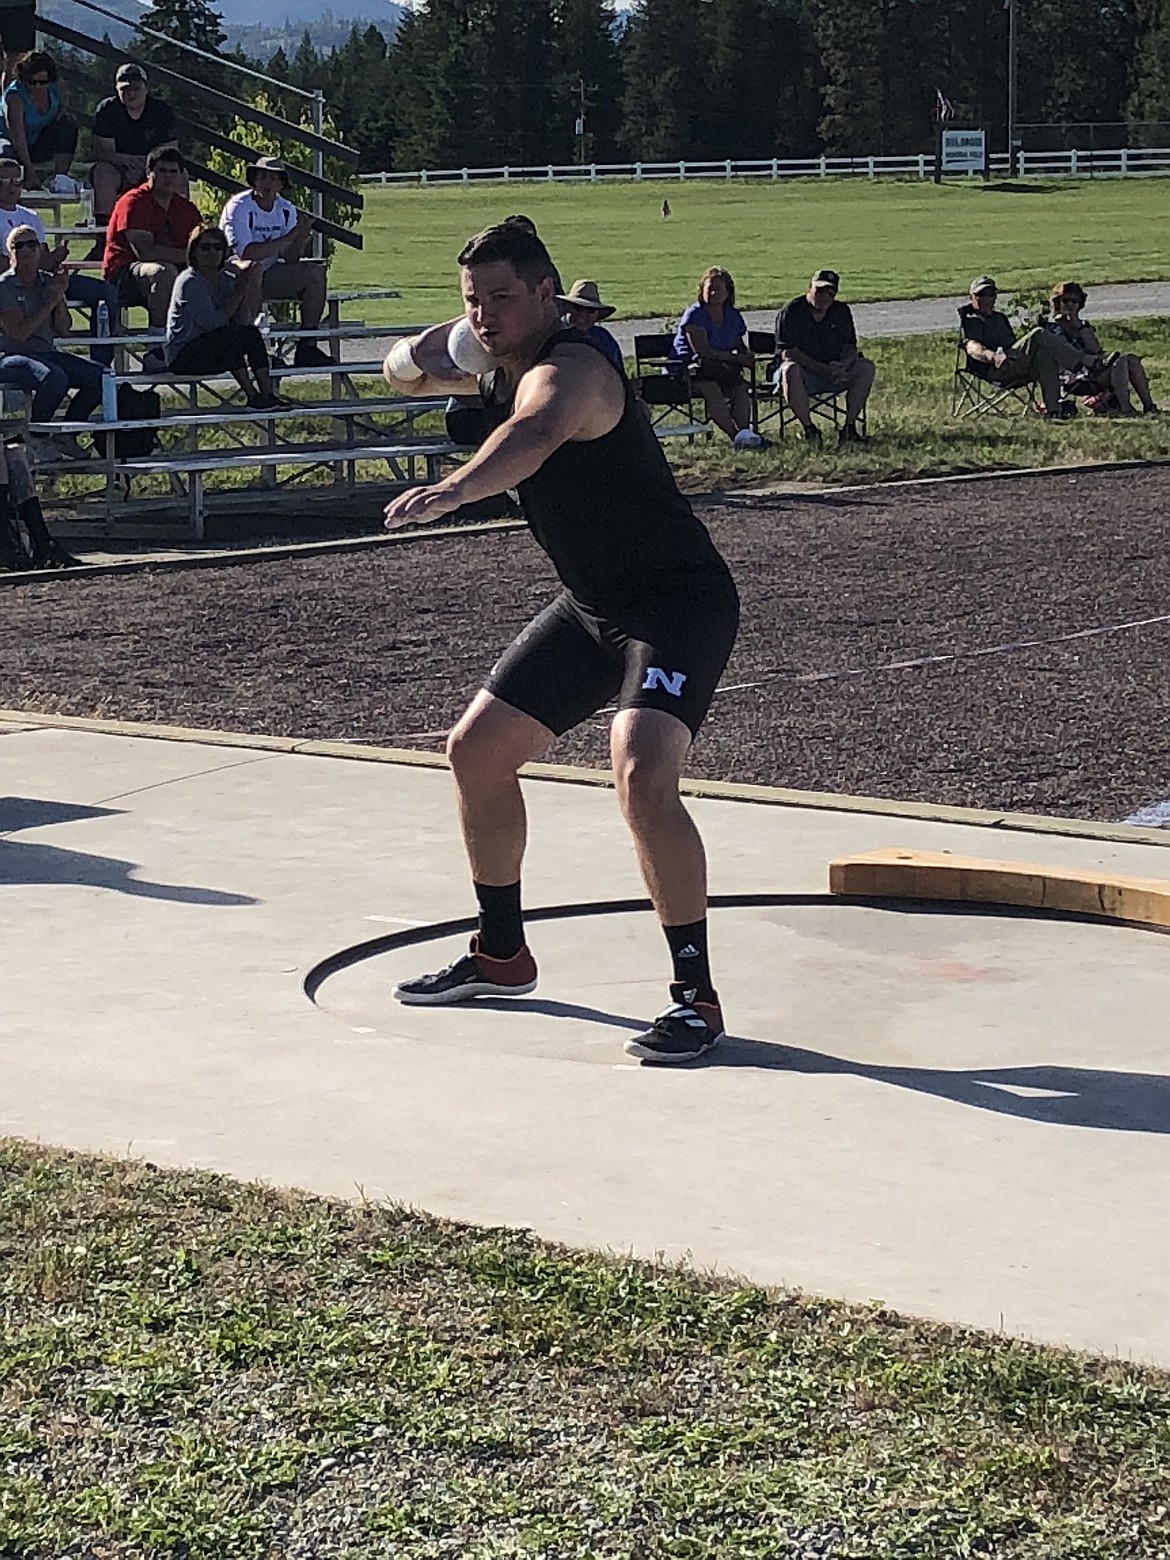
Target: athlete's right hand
x=421 y=503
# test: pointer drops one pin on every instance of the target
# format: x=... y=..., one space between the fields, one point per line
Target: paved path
x=966 y=1117
x=895 y=317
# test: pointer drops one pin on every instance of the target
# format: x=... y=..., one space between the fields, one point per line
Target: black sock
x=501 y=927
x=688 y=952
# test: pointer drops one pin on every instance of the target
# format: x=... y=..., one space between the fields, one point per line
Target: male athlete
x=647 y=619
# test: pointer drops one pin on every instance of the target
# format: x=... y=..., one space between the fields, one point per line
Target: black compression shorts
x=665 y=650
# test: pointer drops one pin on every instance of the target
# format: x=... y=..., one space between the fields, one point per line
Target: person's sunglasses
x=27 y=243
x=40 y=81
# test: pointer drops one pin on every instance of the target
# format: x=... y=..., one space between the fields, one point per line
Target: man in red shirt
x=148 y=233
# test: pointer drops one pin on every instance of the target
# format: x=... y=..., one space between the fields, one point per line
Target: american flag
x=943 y=107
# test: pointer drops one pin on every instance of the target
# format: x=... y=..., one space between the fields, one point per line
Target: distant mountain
x=260 y=37
x=260 y=27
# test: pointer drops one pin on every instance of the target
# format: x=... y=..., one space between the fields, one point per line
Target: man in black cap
x=126 y=127
x=264 y=227
x=817 y=345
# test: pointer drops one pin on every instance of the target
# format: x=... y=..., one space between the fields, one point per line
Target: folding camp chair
x=827 y=406
x=974 y=396
x=662 y=393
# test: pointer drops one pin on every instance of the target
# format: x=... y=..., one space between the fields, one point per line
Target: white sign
x=963 y=151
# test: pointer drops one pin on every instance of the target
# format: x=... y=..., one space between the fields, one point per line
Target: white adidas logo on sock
x=689 y=952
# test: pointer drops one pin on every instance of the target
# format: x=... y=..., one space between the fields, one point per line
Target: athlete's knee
x=477 y=756
x=647 y=785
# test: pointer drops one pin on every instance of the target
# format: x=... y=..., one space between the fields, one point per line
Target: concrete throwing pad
x=963 y=1114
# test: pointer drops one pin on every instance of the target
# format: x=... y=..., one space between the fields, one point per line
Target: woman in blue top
x=36 y=128
x=711 y=341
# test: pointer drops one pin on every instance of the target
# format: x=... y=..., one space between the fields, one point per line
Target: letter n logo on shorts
x=671 y=682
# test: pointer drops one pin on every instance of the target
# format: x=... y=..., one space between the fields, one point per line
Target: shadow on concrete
x=26 y=863
x=550 y=1009
x=32 y=812
x=1061 y=1096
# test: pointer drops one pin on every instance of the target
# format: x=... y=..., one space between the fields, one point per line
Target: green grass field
x=191 y=1367
x=888 y=239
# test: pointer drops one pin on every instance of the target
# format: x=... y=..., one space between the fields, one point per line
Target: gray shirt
x=29 y=298
x=196 y=309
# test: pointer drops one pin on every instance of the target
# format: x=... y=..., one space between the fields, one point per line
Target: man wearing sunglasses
x=33 y=313
x=88 y=291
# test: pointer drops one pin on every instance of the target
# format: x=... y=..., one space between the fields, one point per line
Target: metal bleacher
x=214 y=456
x=344 y=428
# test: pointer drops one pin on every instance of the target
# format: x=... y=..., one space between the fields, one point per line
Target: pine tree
x=1149 y=94
x=764 y=80
x=587 y=63
x=668 y=91
x=881 y=60
x=432 y=61
x=189 y=21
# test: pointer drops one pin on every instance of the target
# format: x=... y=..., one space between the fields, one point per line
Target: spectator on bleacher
x=584 y=311
x=994 y=354
x=817 y=345
x=18 y=34
x=710 y=344
x=37 y=131
x=265 y=227
x=1109 y=390
x=125 y=128
x=32 y=313
x=89 y=291
x=208 y=326
x=147 y=236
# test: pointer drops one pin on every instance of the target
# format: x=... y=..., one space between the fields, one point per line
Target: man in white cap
x=265 y=227
x=584 y=311
x=994 y=354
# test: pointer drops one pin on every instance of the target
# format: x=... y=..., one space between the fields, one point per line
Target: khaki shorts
x=290 y=278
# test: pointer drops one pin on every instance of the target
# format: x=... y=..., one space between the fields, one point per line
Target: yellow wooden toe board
x=924 y=874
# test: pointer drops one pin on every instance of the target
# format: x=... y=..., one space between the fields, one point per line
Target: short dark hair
x=201 y=233
x=167 y=154
x=524 y=222
x=510 y=242
x=32 y=62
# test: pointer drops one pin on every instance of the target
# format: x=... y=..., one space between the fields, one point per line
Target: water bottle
x=86 y=218
x=102 y=318
x=109 y=396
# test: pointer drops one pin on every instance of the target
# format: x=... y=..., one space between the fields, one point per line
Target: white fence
x=1079 y=164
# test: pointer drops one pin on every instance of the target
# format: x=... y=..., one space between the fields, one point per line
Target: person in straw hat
x=584 y=311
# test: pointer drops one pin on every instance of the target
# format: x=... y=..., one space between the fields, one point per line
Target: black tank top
x=607 y=511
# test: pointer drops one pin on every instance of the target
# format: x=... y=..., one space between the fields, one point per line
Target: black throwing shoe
x=474 y=975
x=812 y=435
x=307 y=354
x=850 y=434
x=56 y=556
x=683 y=1032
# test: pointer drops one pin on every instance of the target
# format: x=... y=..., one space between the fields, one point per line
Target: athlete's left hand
x=421 y=503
